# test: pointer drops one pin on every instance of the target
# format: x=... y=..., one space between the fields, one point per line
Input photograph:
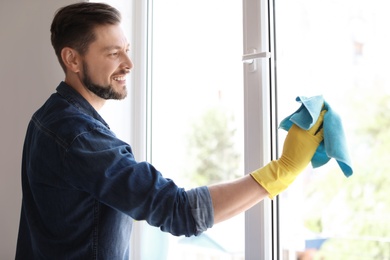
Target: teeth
x=119 y=78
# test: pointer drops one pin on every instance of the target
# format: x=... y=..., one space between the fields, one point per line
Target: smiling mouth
x=123 y=78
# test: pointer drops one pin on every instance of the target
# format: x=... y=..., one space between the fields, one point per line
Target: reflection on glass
x=197 y=113
x=338 y=49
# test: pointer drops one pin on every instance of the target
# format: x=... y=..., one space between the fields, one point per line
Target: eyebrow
x=115 y=47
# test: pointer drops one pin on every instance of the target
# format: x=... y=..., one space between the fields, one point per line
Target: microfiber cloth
x=334 y=143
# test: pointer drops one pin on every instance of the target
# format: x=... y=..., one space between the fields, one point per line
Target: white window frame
x=140 y=100
x=260 y=122
x=261 y=241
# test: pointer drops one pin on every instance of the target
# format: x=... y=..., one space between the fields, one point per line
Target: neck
x=96 y=102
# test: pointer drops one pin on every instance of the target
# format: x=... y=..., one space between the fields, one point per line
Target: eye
x=114 y=54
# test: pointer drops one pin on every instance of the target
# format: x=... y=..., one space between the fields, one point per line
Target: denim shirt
x=82 y=188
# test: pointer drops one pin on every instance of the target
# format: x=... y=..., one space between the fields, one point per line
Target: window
x=210 y=116
x=338 y=49
x=197 y=112
x=335 y=48
x=206 y=81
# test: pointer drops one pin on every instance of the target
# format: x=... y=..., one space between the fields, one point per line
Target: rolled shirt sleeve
x=201 y=208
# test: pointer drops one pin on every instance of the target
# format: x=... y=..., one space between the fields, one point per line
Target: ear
x=71 y=59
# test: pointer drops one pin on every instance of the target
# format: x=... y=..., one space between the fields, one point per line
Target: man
x=81 y=185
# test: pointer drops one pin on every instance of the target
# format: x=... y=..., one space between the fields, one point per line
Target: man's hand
x=298 y=150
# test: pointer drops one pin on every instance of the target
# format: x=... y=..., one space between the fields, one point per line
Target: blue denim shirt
x=82 y=188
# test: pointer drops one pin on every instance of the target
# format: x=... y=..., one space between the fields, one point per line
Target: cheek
x=102 y=73
x=108 y=70
x=101 y=67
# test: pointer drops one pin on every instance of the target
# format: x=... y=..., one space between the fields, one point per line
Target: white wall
x=29 y=73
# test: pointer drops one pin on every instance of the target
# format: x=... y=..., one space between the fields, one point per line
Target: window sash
x=259 y=113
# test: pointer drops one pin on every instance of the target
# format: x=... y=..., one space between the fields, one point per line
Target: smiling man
x=82 y=187
x=98 y=69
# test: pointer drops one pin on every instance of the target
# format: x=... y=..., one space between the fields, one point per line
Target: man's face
x=106 y=63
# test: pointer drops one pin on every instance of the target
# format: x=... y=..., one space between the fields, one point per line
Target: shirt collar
x=73 y=97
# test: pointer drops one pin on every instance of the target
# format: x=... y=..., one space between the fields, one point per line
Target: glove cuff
x=273 y=178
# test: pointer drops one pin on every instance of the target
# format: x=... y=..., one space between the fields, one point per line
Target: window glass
x=338 y=49
x=197 y=112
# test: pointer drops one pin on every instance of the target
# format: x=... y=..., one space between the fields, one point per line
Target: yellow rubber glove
x=298 y=150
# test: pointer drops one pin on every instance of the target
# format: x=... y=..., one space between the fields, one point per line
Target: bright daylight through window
x=197 y=110
x=338 y=49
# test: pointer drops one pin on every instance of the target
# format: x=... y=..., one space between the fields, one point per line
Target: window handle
x=249 y=58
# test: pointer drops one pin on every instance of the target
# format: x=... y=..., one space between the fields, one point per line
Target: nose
x=127 y=63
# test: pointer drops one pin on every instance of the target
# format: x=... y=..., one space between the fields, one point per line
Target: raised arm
x=234 y=197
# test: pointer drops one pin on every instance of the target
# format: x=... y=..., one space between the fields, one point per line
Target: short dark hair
x=73 y=25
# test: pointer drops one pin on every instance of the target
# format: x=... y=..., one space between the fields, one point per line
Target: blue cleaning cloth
x=334 y=143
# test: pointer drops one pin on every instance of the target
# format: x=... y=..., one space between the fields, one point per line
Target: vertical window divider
x=276 y=249
x=259 y=123
x=140 y=99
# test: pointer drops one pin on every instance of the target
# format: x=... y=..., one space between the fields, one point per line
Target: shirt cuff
x=201 y=208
